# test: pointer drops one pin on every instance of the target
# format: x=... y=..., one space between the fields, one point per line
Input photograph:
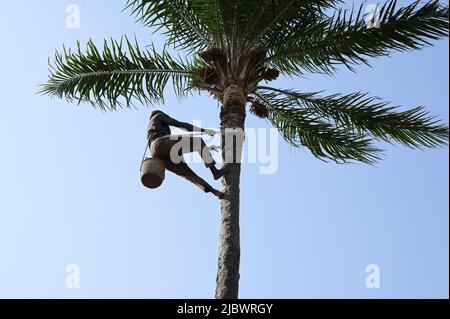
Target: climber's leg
x=183 y=170
x=191 y=144
x=197 y=144
x=173 y=147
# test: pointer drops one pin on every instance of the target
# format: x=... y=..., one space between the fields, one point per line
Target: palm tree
x=231 y=48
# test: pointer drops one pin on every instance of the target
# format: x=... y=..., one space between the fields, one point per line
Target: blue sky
x=70 y=190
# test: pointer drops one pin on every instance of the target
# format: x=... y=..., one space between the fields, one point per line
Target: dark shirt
x=160 y=123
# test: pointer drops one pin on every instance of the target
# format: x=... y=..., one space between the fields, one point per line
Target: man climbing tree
x=170 y=148
x=233 y=49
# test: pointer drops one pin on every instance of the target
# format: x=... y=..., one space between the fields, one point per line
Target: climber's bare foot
x=219 y=173
x=219 y=194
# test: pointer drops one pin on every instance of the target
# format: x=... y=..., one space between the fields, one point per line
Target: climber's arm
x=188 y=127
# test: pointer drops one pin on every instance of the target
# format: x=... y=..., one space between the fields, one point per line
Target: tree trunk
x=232 y=118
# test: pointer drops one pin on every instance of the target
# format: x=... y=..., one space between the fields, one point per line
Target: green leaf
x=371 y=116
x=117 y=76
x=301 y=127
x=346 y=39
x=182 y=25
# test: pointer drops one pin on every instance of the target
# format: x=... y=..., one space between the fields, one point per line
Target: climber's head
x=155 y=112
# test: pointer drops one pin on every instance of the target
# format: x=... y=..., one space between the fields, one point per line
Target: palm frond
x=210 y=13
x=182 y=25
x=372 y=117
x=277 y=19
x=117 y=76
x=243 y=25
x=302 y=127
x=227 y=20
x=347 y=39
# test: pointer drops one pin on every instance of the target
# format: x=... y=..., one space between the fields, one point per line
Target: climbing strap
x=147 y=147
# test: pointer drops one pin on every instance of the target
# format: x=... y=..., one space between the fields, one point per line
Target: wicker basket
x=153 y=172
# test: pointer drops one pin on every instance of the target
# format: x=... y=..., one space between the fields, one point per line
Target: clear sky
x=70 y=191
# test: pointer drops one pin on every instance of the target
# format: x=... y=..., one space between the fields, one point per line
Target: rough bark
x=232 y=118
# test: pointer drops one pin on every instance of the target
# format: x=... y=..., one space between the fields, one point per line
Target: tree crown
x=248 y=42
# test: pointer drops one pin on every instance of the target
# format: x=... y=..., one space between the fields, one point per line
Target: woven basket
x=153 y=172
